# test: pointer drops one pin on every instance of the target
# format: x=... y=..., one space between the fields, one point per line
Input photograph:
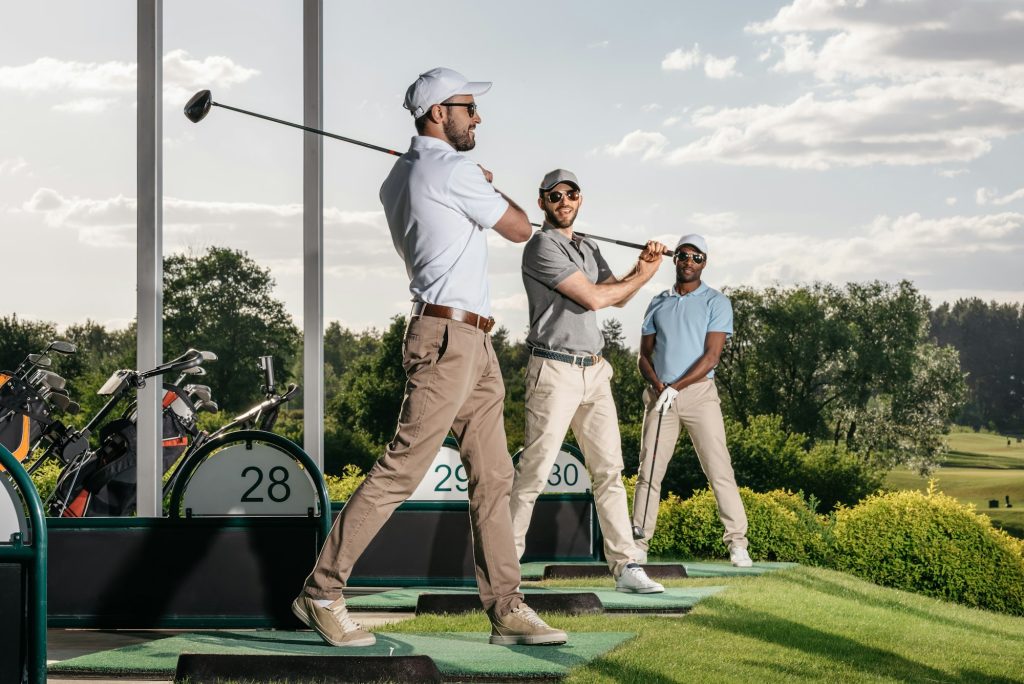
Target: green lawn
x=805 y=624
x=980 y=468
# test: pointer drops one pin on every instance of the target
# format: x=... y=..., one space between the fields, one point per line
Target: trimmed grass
x=979 y=468
x=804 y=624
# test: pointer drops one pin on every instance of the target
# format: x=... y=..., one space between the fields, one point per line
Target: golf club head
x=195 y=370
x=73 y=408
x=62 y=347
x=40 y=360
x=199 y=391
x=51 y=380
x=198 y=106
x=209 y=356
x=59 y=401
x=207 y=407
x=637 y=532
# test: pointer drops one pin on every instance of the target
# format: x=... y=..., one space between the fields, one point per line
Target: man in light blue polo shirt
x=684 y=331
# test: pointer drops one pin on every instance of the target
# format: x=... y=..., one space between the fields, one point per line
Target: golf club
x=638 y=530
x=200 y=104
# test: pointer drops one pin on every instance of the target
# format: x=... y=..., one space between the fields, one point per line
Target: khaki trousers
x=698 y=409
x=560 y=395
x=453 y=383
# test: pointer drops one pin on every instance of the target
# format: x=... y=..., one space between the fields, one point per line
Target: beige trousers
x=698 y=409
x=453 y=383
x=560 y=395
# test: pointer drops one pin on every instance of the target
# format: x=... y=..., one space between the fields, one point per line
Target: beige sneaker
x=524 y=627
x=332 y=622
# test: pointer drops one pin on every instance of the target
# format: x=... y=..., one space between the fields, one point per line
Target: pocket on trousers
x=424 y=348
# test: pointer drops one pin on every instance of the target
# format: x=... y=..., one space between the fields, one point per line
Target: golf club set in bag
x=100 y=481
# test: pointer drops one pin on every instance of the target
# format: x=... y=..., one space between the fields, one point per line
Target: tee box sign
x=250 y=478
x=446 y=479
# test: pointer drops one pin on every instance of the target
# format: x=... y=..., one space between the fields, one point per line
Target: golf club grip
x=308 y=129
x=634 y=245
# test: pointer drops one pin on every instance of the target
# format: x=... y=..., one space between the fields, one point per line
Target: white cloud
x=888 y=248
x=87 y=105
x=12 y=167
x=719 y=68
x=182 y=75
x=681 y=60
x=950 y=201
x=991 y=196
x=601 y=44
x=652 y=107
x=671 y=121
x=647 y=144
x=111 y=222
x=720 y=222
x=953 y=173
x=516 y=302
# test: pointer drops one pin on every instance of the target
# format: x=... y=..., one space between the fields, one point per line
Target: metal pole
x=149 y=250
x=313 y=232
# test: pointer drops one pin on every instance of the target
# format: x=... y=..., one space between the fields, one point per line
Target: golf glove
x=665 y=399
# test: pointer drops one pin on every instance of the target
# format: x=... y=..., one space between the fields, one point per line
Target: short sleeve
x=604 y=272
x=474 y=197
x=545 y=262
x=720 y=315
x=649 y=327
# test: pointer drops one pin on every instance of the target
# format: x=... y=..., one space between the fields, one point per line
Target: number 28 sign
x=446 y=479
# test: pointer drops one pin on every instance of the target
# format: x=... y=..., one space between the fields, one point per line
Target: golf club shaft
x=650 y=477
x=634 y=245
x=308 y=129
x=394 y=153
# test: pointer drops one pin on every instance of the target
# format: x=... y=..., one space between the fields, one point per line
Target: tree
x=852 y=365
x=19 y=338
x=990 y=340
x=223 y=301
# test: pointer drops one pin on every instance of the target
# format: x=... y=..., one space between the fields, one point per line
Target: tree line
x=823 y=387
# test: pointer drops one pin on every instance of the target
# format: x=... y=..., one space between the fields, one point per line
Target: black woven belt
x=582 y=360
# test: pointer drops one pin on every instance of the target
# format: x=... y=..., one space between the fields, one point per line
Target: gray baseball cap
x=437 y=85
x=557 y=176
x=694 y=240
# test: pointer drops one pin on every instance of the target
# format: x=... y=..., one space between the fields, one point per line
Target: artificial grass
x=459 y=656
x=675 y=599
x=804 y=624
x=534 y=572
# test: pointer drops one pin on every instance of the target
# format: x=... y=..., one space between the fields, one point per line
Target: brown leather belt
x=438 y=311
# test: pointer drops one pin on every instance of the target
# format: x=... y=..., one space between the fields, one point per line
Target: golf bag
x=102 y=483
x=24 y=416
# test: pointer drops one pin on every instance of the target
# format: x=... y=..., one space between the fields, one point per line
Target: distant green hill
x=981 y=467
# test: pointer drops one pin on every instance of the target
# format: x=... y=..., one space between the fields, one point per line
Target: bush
x=341 y=488
x=836 y=476
x=782 y=527
x=931 y=544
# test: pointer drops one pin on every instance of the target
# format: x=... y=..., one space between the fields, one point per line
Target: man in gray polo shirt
x=568 y=384
x=440 y=206
x=683 y=334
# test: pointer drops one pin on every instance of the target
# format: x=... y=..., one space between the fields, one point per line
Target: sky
x=812 y=140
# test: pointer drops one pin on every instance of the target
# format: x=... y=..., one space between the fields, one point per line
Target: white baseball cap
x=437 y=85
x=694 y=240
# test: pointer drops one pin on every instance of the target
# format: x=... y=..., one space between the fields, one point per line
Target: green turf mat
x=458 y=655
x=672 y=600
x=533 y=572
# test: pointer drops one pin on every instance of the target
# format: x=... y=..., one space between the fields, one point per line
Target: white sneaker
x=739 y=557
x=634 y=580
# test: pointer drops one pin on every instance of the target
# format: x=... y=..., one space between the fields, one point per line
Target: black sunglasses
x=695 y=258
x=555 y=196
x=470 y=107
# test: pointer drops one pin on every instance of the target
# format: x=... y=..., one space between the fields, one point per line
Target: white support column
x=149 y=251
x=313 y=231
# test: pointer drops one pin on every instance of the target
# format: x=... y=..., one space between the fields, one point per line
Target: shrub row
x=928 y=543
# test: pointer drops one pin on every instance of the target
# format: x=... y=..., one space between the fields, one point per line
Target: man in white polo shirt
x=568 y=384
x=439 y=206
x=683 y=334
